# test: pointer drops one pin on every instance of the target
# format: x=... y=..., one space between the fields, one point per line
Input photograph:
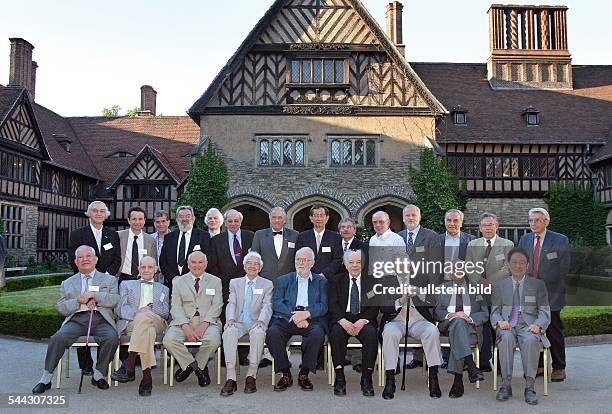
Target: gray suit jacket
x=208 y=301
x=263 y=243
x=106 y=297
x=535 y=309
x=496 y=265
x=150 y=246
x=261 y=307
x=426 y=248
x=130 y=300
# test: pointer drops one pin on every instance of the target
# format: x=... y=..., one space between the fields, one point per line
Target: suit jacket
x=285 y=296
x=426 y=249
x=338 y=299
x=107 y=296
x=130 y=299
x=387 y=302
x=200 y=240
x=479 y=312
x=535 y=309
x=464 y=239
x=328 y=259
x=496 y=265
x=274 y=266
x=261 y=307
x=186 y=302
x=554 y=264
x=150 y=245
x=109 y=260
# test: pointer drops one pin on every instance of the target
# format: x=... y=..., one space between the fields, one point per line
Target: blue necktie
x=409 y=244
x=248 y=300
x=354 y=307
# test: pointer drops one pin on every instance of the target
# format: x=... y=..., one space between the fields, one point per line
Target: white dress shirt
x=278 y=243
x=98 y=236
x=127 y=262
x=387 y=239
x=358 y=281
x=85 y=284
x=230 y=240
x=178 y=246
x=347 y=243
x=302 y=294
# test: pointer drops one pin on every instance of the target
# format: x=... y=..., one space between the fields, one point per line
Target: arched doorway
x=254 y=211
x=301 y=219
x=391 y=205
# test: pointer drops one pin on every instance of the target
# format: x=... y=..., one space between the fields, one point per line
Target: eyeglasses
x=303 y=259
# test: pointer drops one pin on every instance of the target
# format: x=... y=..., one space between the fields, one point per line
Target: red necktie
x=197 y=284
x=237 y=250
x=536 y=256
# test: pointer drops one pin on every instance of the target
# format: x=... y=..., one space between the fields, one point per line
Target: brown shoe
x=229 y=388
x=250 y=385
x=283 y=383
x=540 y=372
x=557 y=375
x=304 y=382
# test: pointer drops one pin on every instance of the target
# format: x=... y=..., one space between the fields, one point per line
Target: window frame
x=14 y=227
x=353 y=139
x=282 y=139
x=336 y=63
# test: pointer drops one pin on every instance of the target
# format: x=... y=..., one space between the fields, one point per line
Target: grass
x=38 y=298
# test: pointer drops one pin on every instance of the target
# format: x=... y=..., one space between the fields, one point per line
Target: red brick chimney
x=148 y=97
x=394 y=24
x=22 y=67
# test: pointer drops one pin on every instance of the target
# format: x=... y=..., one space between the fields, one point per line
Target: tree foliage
x=437 y=190
x=111 y=112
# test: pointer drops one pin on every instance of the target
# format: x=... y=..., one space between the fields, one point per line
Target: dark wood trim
x=318 y=110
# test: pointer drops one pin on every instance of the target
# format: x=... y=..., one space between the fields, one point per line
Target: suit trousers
x=529 y=345
x=368 y=336
x=103 y=333
x=142 y=331
x=277 y=338
x=174 y=342
x=232 y=335
x=486 y=352
x=554 y=333
x=424 y=331
x=461 y=336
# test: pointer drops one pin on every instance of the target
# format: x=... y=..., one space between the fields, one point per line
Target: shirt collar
x=414 y=232
x=384 y=235
x=321 y=233
x=95 y=230
x=131 y=234
x=194 y=277
x=232 y=234
x=492 y=240
x=187 y=232
x=298 y=277
x=349 y=242
x=448 y=236
x=542 y=235
x=520 y=282
x=358 y=277
x=83 y=276
x=249 y=280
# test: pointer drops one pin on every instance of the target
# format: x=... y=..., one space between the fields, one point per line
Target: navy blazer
x=464 y=239
x=327 y=263
x=167 y=259
x=285 y=296
x=109 y=259
x=554 y=264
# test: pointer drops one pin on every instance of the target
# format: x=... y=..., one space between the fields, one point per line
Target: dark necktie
x=237 y=250
x=354 y=306
x=182 y=248
x=345 y=245
x=277 y=233
x=135 y=257
x=409 y=243
x=459 y=302
x=196 y=285
x=536 y=256
x=146 y=282
x=486 y=258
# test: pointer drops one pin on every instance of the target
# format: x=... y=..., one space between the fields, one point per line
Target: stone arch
x=297 y=213
x=393 y=205
x=254 y=210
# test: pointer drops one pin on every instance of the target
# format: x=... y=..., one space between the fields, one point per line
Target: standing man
x=180 y=243
x=88 y=293
x=161 y=221
x=214 y=221
x=135 y=244
x=549 y=260
x=276 y=245
x=454 y=242
x=143 y=310
x=491 y=251
x=196 y=307
x=384 y=237
x=105 y=242
x=248 y=312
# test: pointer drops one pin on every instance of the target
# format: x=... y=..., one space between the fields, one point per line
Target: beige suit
x=496 y=266
x=207 y=303
x=150 y=245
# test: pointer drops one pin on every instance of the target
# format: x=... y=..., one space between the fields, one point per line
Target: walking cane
x=405 y=348
x=86 y=345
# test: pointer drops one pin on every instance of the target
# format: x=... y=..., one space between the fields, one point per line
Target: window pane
x=306 y=72
x=339 y=71
x=490 y=167
x=295 y=71
x=264 y=147
x=359 y=153
x=347 y=155
x=299 y=152
x=276 y=152
x=335 y=152
x=287 y=149
x=515 y=167
x=317 y=71
x=329 y=71
x=551 y=167
x=371 y=152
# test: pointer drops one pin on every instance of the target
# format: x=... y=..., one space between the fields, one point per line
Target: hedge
x=14 y=284
x=591 y=320
x=599 y=283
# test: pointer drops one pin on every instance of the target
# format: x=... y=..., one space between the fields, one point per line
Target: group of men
x=214 y=287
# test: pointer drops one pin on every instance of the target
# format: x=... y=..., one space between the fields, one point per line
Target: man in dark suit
x=549 y=260
x=300 y=308
x=454 y=242
x=352 y=317
x=326 y=244
x=105 y=241
x=276 y=245
x=180 y=243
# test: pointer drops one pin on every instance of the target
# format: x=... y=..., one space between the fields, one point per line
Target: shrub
x=23 y=283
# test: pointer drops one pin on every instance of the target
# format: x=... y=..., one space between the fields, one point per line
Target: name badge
x=551 y=256
x=196 y=247
x=419 y=249
x=326 y=249
x=257 y=291
x=210 y=292
x=500 y=257
x=108 y=246
x=291 y=245
x=143 y=252
x=161 y=297
x=530 y=299
x=94 y=288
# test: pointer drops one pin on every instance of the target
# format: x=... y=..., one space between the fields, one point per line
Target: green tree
x=132 y=113
x=568 y=201
x=206 y=185
x=111 y=112
x=437 y=190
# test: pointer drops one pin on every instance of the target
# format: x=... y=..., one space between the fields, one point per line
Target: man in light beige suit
x=196 y=306
x=248 y=312
x=135 y=244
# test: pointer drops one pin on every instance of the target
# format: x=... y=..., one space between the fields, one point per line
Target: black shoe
x=265 y=362
x=485 y=367
x=434 y=386
x=413 y=364
x=475 y=375
x=389 y=390
x=340 y=383
x=41 y=388
x=357 y=368
x=367 y=388
x=530 y=396
x=101 y=383
x=144 y=389
x=444 y=365
x=320 y=366
x=504 y=393
x=123 y=375
x=88 y=372
x=181 y=375
x=456 y=390
x=203 y=377
x=244 y=361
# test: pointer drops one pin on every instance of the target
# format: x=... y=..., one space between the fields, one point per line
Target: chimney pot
x=394 y=24
x=148 y=98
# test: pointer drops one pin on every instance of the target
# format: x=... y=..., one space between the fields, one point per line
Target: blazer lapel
x=91 y=239
x=293 y=290
x=136 y=292
x=284 y=248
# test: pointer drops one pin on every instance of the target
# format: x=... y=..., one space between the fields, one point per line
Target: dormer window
x=63 y=141
x=531 y=116
x=459 y=115
x=120 y=154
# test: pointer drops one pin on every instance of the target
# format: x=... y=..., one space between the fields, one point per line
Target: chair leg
x=67 y=353
x=58 y=375
x=110 y=372
x=273 y=373
x=381 y=367
x=171 y=373
x=165 y=352
x=545 y=371
x=477 y=364
x=331 y=377
x=116 y=364
x=237 y=366
x=495 y=368
x=219 y=366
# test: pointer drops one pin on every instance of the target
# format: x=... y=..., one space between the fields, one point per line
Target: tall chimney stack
x=32 y=89
x=20 y=73
x=394 y=24
x=148 y=97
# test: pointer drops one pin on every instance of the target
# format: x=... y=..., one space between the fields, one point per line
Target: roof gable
x=148 y=166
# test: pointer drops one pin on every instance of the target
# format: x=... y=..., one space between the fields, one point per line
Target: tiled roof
x=8 y=97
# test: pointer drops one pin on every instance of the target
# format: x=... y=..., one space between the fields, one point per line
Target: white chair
x=353 y=343
x=547 y=369
x=170 y=373
x=81 y=342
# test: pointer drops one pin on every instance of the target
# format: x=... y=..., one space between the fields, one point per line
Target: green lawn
x=38 y=298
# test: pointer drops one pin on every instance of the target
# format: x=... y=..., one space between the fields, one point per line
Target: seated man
x=143 y=309
x=520 y=314
x=461 y=315
x=248 y=312
x=350 y=318
x=196 y=306
x=300 y=308
x=87 y=299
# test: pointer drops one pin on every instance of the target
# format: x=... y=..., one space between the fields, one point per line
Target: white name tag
x=94 y=288
x=108 y=246
x=257 y=291
x=196 y=247
x=551 y=256
x=210 y=292
x=530 y=299
x=500 y=257
x=143 y=252
x=419 y=249
x=291 y=245
x=161 y=297
x=326 y=249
